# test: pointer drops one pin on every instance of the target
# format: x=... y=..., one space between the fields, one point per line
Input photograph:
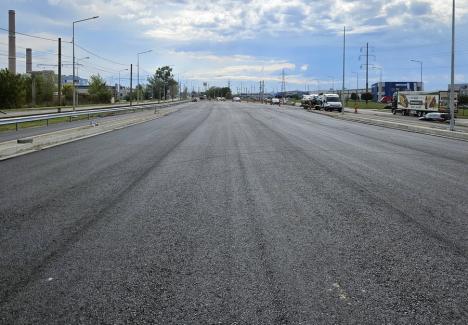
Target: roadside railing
x=90 y=112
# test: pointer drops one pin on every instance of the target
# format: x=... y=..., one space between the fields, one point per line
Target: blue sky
x=245 y=41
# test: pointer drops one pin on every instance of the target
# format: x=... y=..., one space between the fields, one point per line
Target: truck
x=310 y=102
x=330 y=102
x=420 y=103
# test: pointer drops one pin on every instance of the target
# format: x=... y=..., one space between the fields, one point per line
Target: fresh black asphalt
x=231 y=213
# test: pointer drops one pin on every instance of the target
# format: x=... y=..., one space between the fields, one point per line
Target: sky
x=243 y=42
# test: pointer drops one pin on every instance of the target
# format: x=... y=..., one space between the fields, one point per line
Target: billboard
x=419 y=102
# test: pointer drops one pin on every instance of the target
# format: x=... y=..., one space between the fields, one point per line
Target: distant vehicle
x=435 y=117
x=203 y=97
x=386 y=99
x=310 y=101
x=275 y=101
x=331 y=102
x=420 y=103
x=236 y=99
x=195 y=99
x=220 y=99
x=415 y=102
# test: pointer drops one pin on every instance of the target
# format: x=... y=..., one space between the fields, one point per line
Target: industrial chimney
x=11 y=42
x=28 y=60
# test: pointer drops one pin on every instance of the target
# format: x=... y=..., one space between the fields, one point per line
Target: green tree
x=12 y=89
x=366 y=96
x=45 y=87
x=214 y=92
x=354 y=96
x=67 y=92
x=162 y=83
x=98 y=91
x=463 y=99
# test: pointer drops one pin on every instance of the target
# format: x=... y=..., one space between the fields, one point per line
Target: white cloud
x=229 y=20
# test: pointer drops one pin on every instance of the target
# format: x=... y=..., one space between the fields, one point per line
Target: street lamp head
x=145 y=52
x=79 y=21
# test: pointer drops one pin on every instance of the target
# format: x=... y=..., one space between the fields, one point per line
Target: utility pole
x=452 y=81
x=367 y=67
x=138 y=73
x=131 y=83
x=283 y=85
x=367 y=72
x=59 y=81
x=344 y=68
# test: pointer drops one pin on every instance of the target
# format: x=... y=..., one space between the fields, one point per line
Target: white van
x=331 y=102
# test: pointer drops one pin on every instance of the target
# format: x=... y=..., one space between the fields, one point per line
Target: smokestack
x=11 y=42
x=28 y=60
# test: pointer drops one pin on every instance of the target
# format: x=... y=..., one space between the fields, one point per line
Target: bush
x=12 y=89
x=67 y=92
x=354 y=96
x=463 y=100
x=366 y=96
x=98 y=91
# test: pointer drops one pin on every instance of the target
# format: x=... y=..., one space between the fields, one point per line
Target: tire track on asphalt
x=405 y=217
x=87 y=223
x=388 y=140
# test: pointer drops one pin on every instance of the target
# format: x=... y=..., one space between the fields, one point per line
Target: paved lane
x=225 y=212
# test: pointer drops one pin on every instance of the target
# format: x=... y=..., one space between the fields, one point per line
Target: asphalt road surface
x=237 y=214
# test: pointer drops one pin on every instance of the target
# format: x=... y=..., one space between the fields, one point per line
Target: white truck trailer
x=420 y=102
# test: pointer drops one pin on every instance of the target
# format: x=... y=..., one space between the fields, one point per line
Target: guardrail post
x=70 y=119
x=16 y=126
x=47 y=122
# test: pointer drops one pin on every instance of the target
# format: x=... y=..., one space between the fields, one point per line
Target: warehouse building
x=381 y=89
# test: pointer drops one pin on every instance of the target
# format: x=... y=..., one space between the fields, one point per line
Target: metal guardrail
x=89 y=112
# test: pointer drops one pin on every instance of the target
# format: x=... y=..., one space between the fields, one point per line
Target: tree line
x=40 y=89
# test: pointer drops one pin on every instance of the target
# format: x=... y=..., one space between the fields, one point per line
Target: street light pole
x=118 y=91
x=452 y=81
x=380 y=80
x=357 y=82
x=73 y=43
x=421 y=70
x=138 y=73
x=344 y=68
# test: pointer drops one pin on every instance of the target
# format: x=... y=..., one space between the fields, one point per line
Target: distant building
x=461 y=88
x=381 y=89
x=78 y=81
x=121 y=91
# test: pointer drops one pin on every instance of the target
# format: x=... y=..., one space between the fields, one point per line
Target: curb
x=456 y=135
x=13 y=150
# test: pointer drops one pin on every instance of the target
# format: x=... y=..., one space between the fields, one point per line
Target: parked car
x=436 y=117
x=275 y=101
x=386 y=100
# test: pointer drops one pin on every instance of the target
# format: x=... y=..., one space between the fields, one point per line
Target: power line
x=95 y=68
x=34 y=36
x=39 y=51
x=98 y=56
